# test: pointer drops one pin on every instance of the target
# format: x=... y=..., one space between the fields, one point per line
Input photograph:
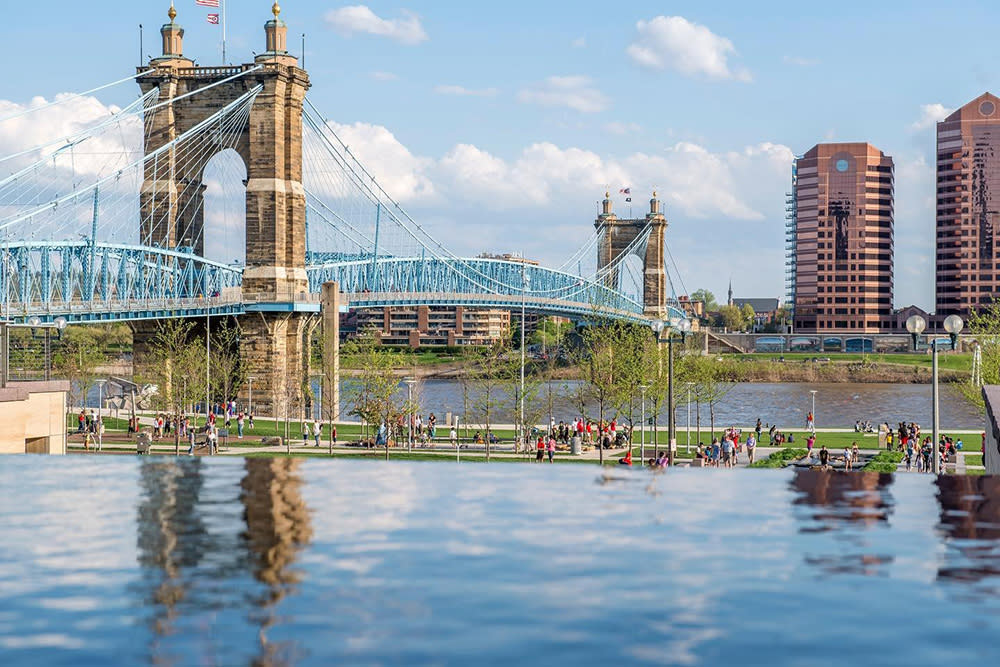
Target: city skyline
x=465 y=125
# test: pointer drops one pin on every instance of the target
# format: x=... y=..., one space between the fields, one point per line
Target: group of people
x=849 y=455
x=92 y=427
x=725 y=452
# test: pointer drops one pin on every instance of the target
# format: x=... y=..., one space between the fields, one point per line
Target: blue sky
x=499 y=124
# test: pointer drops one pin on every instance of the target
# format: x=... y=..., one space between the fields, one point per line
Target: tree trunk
x=600 y=427
x=697 y=405
x=711 y=412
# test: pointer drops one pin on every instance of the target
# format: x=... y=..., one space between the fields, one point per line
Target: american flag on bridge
x=207 y=3
x=213 y=19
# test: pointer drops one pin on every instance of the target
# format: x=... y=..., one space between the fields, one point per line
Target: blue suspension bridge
x=79 y=239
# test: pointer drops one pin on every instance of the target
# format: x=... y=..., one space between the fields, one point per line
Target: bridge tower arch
x=619 y=236
x=270 y=144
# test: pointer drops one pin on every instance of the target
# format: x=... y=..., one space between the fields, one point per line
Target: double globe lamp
x=916 y=325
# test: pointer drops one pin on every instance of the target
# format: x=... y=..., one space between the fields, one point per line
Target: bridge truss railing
x=428 y=276
x=83 y=277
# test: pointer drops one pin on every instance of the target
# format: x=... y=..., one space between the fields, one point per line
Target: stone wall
x=33 y=418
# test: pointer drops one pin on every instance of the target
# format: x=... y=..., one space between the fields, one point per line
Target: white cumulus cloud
x=462 y=91
x=673 y=42
x=575 y=92
x=930 y=114
x=359 y=18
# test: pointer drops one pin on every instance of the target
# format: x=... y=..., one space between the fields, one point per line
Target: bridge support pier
x=274 y=348
x=330 y=309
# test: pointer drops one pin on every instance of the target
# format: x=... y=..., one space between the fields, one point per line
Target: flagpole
x=223 y=3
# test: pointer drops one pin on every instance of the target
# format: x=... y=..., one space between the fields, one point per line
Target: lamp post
x=657 y=327
x=683 y=326
x=100 y=419
x=525 y=281
x=813 y=411
x=642 y=426
x=409 y=409
x=953 y=324
x=250 y=380
x=687 y=449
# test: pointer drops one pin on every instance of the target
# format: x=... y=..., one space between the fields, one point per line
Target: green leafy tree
x=984 y=324
x=77 y=359
x=705 y=297
x=228 y=370
x=491 y=370
x=731 y=318
x=174 y=360
x=375 y=388
x=748 y=315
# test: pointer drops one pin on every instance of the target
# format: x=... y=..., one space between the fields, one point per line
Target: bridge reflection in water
x=196 y=561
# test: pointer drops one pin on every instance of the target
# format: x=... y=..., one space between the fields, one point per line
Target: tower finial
x=276 y=9
x=172 y=13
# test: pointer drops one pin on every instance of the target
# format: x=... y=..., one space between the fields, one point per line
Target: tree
x=705 y=297
x=710 y=383
x=173 y=363
x=731 y=318
x=77 y=360
x=491 y=369
x=228 y=371
x=748 y=315
x=374 y=393
x=550 y=333
x=985 y=325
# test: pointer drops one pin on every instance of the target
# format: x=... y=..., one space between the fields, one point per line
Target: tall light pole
x=525 y=281
x=813 y=411
x=657 y=327
x=642 y=426
x=916 y=324
x=409 y=382
x=250 y=379
x=100 y=419
x=953 y=324
x=208 y=366
x=687 y=448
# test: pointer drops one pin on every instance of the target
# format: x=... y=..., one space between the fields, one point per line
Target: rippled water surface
x=280 y=561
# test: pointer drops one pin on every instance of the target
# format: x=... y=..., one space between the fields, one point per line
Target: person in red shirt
x=539 y=450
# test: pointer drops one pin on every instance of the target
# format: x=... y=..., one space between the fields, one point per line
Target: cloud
x=462 y=91
x=359 y=18
x=574 y=92
x=402 y=174
x=579 y=43
x=384 y=76
x=930 y=114
x=621 y=128
x=673 y=42
x=799 y=61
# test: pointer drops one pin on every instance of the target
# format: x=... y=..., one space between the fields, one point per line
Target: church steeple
x=730 y=302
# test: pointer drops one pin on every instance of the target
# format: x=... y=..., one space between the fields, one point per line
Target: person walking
x=854 y=452
x=239 y=426
x=752 y=444
x=539 y=450
x=848 y=458
x=317 y=431
x=824 y=456
x=810 y=423
x=551 y=448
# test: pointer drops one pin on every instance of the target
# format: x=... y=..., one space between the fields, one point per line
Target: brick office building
x=842 y=247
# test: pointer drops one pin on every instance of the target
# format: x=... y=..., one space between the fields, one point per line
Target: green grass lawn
x=946 y=359
x=884 y=462
x=973 y=459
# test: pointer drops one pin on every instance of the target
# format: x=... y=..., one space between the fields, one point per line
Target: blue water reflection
x=285 y=561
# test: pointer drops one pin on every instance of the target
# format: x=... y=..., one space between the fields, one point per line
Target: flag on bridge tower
x=207 y=3
x=213 y=19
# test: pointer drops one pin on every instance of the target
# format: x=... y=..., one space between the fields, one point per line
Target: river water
x=838 y=405
x=160 y=560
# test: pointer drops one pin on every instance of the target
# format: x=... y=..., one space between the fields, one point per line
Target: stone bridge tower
x=270 y=144
x=619 y=234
